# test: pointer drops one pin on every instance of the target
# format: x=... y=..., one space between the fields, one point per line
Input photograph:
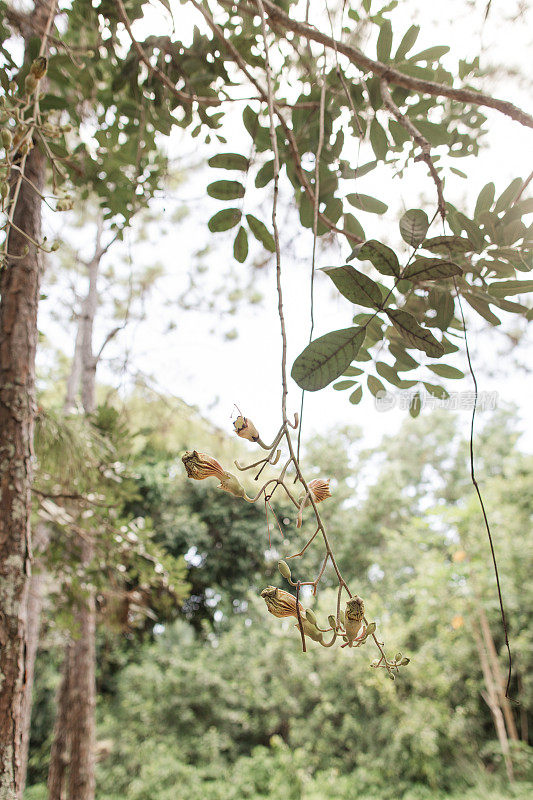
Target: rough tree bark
x=41 y=538
x=19 y=294
x=60 y=743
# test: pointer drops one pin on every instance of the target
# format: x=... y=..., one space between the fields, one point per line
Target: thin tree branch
x=420 y=140
x=393 y=75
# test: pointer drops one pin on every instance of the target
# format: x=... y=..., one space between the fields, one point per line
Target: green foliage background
x=221 y=704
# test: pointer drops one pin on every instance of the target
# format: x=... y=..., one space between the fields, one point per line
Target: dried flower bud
x=200 y=466
x=39 y=67
x=284 y=569
x=310 y=616
x=280 y=603
x=230 y=483
x=332 y=621
x=7 y=138
x=398 y=656
x=404 y=661
x=246 y=429
x=309 y=628
x=319 y=490
x=30 y=83
x=353 y=618
x=55 y=246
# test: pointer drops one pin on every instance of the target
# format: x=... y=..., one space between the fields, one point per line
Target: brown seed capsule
x=319 y=490
x=200 y=466
x=246 y=429
x=280 y=603
x=353 y=618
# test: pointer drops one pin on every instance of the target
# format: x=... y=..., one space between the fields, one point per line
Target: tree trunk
x=19 y=295
x=83 y=699
x=492 y=700
x=34 y=608
x=59 y=754
x=498 y=677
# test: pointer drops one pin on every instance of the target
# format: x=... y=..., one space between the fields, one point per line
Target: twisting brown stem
x=419 y=139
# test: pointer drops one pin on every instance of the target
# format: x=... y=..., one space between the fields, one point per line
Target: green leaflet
x=366 y=203
x=224 y=220
x=240 y=245
x=261 y=233
x=326 y=358
x=414 y=334
x=428 y=269
x=229 y=161
x=414 y=225
x=225 y=190
x=355 y=286
x=382 y=257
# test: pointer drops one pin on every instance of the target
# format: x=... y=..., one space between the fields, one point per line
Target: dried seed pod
x=332 y=621
x=404 y=661
x=319 y=490
x=246 y=429
x=284 y=569
x=200 y=466
x=280 y=603
x=353 y=618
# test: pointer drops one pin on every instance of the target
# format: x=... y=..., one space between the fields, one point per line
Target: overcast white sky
x=213 y=373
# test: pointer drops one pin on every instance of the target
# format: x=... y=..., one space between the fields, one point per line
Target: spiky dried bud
x=200 y=466
x=230 y=483
x=39 y=67
x=246 y=429
x=280 y=603
x=284 y=569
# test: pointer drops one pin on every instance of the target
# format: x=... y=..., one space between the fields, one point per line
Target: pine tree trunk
x=82 y=700
x=35 y=604
x=59 y=755
x=19 y=295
